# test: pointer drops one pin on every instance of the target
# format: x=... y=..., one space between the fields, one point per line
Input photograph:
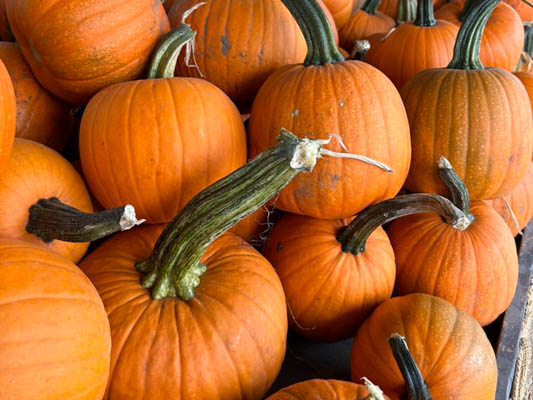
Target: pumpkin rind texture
x=227 y=343
x=527 y=80
x=76 y=48
x=56 y=342
x=155 y=144
x=524 y=10
x=319 y=389
x=451 y=350
x=480 y=120
x=8 y=117
x=351 y=99
x=340 y=9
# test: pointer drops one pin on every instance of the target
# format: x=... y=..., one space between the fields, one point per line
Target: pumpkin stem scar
x=375 y=393
x=50 y=219
x=360 y=49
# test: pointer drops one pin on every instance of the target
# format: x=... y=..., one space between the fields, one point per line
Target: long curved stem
x=456 y=186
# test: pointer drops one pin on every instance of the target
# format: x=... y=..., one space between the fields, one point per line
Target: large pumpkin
x=55 y=333
x=503 y=36
x=340 y=9
x=8 y=117
x=77 y=48
x=319 y=389
x=480 y=119
x=41 y=117
x=327 y=96
x=455 y=358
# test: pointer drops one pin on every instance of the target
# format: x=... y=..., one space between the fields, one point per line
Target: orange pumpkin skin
x=526 y=78
x=452 y=351
x=361 y=25
x=476 y=270
x=318 y=389
x=76 y=49
x=341 y=10
x=503 y=37
x=190 y=136
x=480 y=120
x=37 y=172
x=329 y=293
x=226 y=343
x=401 y=61
x=8 y=119
x=41 y=117
x=521 y=202
x=352 y=99
x=60 y=348
x=525 y=11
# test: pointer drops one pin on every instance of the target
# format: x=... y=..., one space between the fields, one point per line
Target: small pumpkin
x=41 y=117
x=56 y=341
x=503 y=37
x=341 y=10
x=454 y=356
x=8 y=116
x=76 y=49
x=479 y=118
x=319 y=389
x=326 y=96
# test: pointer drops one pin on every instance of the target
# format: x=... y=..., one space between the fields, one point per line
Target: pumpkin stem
x=50 y=219
x=424 y=13
x=321 y=47
x=370 y=6
x=528 y=38
x=407 y=10
x=374 y=392
x=416 y=387
x=359 y=50
x=456 y=186
x=468 y=42
x=174 y=268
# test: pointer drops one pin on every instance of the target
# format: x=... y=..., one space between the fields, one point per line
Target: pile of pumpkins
x=198 y=118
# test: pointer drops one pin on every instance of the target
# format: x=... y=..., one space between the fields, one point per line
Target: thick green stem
x=370 y=6
x=456 y=186
x=416 y=387
x=528 y=38
x=468 y=42
x=321 y=47
x=50 y=219
x=406 y=11
x=424 y=13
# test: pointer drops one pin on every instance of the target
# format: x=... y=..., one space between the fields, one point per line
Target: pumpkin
x=479 y=118
x=76 y=49
x=238 y=53
x=41 y=117
x=399 y=61
x=341 y=10
x=188 y=137
x=473 y=266
x=363 y=23
x=8 y=111
x=319 y=389
x=37 y=172
x=519 y=201
x=197 y=314
x=329 y=290
x=502 y=39
x=56 y=341
x=453 y=353
x=5 y=31
x=326 y=96
x=524 y=10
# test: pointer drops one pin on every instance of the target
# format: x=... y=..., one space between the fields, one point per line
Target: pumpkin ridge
x=127 y=302
x=156 y=143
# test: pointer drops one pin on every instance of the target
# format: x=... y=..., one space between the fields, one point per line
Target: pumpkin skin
x=319 y=389
x=476 y=269
x=37 y=172
x=341 y=10
x=41 y=117
x=526 y=78
x=452 y=351
x=525 y=11
x=455 y=113
x=77 y=48
x=60 y=349
x=329 y=292
x=228 y=342
x=503 y=37
x=8 y=119
x=352 y=99
x=521 y=202
x=163 y=155
x=361 y=25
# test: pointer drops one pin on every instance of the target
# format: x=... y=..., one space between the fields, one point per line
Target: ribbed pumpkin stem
x=528 y=38
x=468 y=42
x=321 y=47
x=456 y=186
x=407 y=10
x=50 y=219
x=370 y=6
x=360 y=49
x=415 y=385
x=424 y=13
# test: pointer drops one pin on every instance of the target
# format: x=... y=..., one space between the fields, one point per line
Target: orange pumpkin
x=37 y=172
x=453 y=353
x=41 y=117
x=55 y=343
x=524 y=10
x=328 y=96
x=341 y=10
x=503 y=36
x=329 y=291
x=76 y=49
x=480 y=119
x=399 y=60
x=8 y=119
